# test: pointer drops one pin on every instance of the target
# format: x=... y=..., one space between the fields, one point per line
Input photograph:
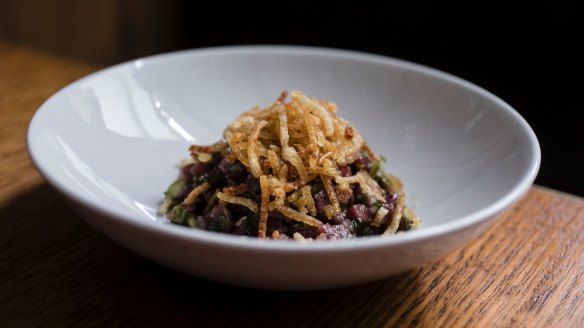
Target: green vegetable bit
x=175 y=189
x=171 y=196
x=355 y=225
x=222 y=224
x=409 y=220
x=391 y=181
x=191 y=221
x=180 y=215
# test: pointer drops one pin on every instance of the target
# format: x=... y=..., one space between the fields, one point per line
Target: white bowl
x=111 y=143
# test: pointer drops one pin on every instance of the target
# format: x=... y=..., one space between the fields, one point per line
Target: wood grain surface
x=527 y=270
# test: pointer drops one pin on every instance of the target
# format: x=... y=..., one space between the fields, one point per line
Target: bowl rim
x=251 y=243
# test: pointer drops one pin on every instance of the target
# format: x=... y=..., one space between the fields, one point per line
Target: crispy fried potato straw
x=309 y=200
x=263 y=222
x=295 y=142
x=192 y=196
x=235 y=190
x=286 y=146
x=381 y=213
x=239 y=201
x=330 y=191
x=295 y=215
x=252 y=155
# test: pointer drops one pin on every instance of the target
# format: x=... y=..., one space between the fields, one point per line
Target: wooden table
x=526 y=270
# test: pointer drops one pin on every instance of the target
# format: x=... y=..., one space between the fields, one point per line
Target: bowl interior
x=115 y=138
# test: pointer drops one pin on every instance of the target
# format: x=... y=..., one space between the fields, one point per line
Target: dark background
x=526 y=52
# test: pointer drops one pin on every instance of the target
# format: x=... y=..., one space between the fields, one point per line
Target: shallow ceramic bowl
x=111 y=143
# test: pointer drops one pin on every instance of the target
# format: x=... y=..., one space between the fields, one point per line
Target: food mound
x=292 y=170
